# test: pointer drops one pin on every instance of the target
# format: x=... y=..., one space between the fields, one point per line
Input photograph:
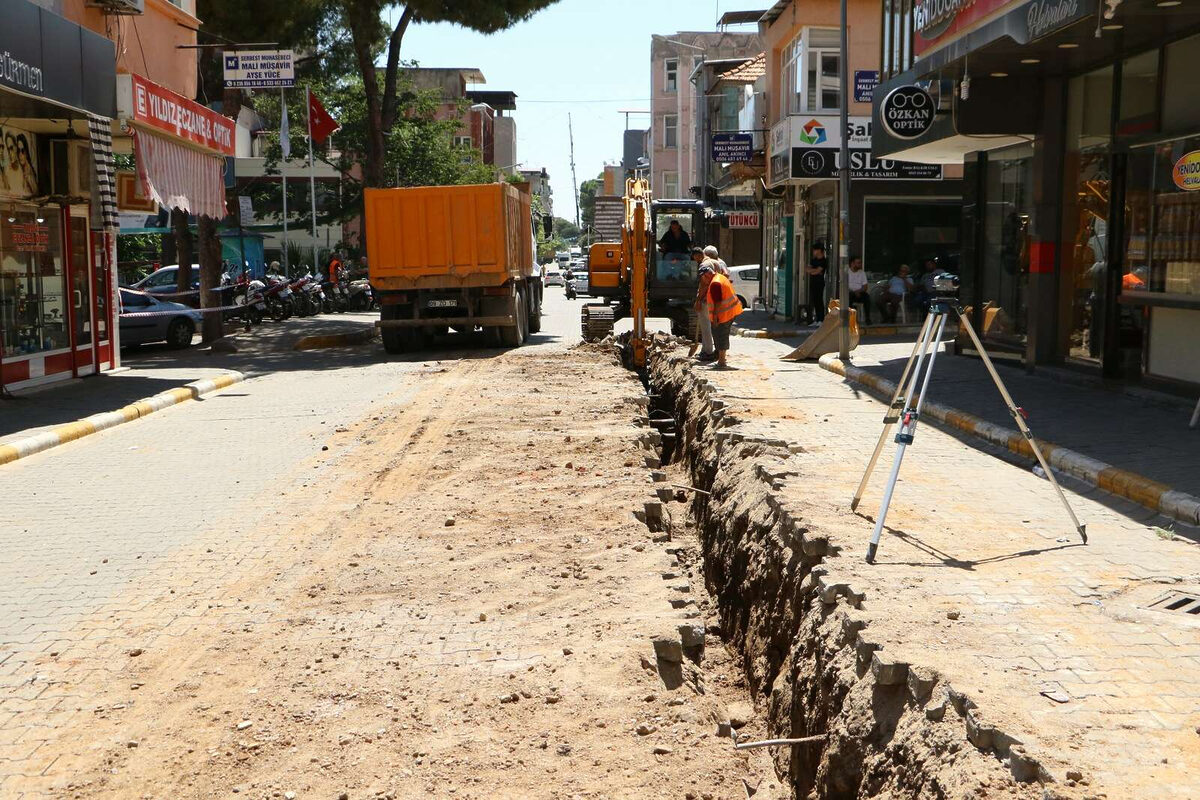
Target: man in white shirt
x=859 y=293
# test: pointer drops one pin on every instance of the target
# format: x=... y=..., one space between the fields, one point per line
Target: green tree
x=566 y=230
x=587 y=200
x=371 y=39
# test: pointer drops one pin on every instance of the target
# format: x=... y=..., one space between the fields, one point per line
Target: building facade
x=1079 y=135
x=900 y=213
x=674 y=162
x=57 y=237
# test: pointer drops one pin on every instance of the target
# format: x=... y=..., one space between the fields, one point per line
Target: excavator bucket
x=825 y=338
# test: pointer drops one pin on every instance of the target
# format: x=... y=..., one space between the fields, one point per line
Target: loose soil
x=460 y=605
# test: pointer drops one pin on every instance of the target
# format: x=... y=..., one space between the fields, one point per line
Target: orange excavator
x=635 y=280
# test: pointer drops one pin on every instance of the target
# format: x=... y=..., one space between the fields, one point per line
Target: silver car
x=144 y=318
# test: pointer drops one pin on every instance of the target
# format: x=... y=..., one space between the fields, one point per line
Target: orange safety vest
x=728 y=306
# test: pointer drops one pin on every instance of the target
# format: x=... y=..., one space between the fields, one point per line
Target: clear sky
x=586 y=58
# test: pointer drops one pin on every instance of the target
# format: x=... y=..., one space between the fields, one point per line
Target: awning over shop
x=177 y=176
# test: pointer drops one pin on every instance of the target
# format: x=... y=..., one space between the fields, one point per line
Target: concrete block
x=692 y=635
x=658 y=476
x=887 y=671
x=921 y=681
x=979 y=733
x=668 y=647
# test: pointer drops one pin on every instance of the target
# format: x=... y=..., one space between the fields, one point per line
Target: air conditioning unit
x=119 y=6
x=71 y=168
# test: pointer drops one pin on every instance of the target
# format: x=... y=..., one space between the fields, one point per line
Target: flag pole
x=283 y=180
x=312 y=179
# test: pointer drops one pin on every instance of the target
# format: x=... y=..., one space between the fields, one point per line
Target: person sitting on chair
x=897 y=290
x=859 y=291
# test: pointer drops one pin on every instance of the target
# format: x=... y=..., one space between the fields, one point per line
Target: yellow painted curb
x=71 y=431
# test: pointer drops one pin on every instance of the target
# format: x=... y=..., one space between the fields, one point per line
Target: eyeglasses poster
x=18 y=162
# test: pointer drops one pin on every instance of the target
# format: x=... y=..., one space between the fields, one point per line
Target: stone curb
x=335 y=340
x=865 y=333
x=1149 y=493
x=71 y=431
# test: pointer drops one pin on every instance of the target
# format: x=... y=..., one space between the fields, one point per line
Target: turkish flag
x=320 y=124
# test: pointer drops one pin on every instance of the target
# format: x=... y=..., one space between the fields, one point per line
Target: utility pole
x=842 y=267
x=574 y=180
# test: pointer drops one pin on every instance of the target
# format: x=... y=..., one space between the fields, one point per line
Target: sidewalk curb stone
x=71 y=431
x=1152 y=494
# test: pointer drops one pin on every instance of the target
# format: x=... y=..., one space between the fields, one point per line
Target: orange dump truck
x=453 y=257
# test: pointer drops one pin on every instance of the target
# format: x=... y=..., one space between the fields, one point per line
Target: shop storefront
x=1081 y=204
x=900 y=213
x=57 y=213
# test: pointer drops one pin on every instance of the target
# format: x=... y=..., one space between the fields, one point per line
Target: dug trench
x=802 y=634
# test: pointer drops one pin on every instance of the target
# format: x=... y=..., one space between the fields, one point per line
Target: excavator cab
x=673 y=274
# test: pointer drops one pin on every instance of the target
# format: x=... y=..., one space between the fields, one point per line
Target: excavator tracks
x=596 y=322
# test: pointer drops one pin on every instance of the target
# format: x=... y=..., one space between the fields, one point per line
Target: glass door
x=80 y=282
x=101 y=307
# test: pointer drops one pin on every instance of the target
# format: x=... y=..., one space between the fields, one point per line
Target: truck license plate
x=442 y=304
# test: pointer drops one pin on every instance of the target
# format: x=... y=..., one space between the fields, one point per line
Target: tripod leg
x=1018 y=417
x=908 y=422
x=892 y=415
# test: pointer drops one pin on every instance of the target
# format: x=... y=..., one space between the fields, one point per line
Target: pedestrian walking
x=818 y=265
x=723 y=308
x=706 y=271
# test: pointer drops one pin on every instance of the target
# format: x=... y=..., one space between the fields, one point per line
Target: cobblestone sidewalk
x=1070 y=649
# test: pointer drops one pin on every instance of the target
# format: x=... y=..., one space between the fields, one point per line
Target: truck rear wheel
x=535 y=311
x=513 y=335
x=393 y=338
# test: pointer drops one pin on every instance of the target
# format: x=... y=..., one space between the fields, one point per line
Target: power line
x=614 y=100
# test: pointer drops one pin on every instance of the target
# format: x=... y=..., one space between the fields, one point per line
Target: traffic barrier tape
x=71 y=431
x=1144 y=491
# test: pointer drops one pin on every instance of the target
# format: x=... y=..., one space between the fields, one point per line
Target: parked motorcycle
x=278 y=297
x=247 y=294
x=361 y=297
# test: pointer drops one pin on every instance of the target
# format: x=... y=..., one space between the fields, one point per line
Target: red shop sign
x=29 y=237
x=146 y=102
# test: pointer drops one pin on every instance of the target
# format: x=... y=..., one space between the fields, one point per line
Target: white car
x=552 y=276
x=579 y=282
x=745 y=280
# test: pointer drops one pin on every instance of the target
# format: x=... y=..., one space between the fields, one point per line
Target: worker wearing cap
x=706 y=271
x=723 y=308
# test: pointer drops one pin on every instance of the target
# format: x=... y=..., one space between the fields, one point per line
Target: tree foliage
x=587 y=200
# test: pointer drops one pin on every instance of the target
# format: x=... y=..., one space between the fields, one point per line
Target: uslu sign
x=907 y=112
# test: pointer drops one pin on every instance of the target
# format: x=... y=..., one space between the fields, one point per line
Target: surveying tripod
x=904 y=410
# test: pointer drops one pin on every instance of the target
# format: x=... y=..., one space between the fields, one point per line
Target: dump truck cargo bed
x=448 y=236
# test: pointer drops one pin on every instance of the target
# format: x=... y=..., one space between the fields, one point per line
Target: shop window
x=1139 y=95
x=33 y=308
x=1085 y=240
x=1163 y=201
x=1007 y=223
x=1180 y=110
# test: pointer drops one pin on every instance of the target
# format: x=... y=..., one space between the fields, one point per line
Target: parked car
x=162 y=280
x=173 y=323
x=745 y=280
x=553 y=277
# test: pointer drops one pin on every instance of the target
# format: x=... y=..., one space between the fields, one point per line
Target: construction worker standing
x=723 y=308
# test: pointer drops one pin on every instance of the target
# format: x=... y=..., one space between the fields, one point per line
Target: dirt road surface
x=454 y=600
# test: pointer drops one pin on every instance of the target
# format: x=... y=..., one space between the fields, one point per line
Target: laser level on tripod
x=905 y=406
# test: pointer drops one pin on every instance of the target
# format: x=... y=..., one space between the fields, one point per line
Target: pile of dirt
x=890 y=728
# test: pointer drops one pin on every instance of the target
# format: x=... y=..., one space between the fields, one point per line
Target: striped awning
x=100 y=130
x=177 y=176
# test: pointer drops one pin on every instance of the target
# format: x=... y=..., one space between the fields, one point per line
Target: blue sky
x=590 y=58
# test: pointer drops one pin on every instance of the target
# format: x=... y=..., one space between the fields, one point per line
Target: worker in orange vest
x=723 y=307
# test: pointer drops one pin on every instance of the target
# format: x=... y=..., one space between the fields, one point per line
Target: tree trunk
x=183 y=250
x=210 y=277
x=363 y=19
